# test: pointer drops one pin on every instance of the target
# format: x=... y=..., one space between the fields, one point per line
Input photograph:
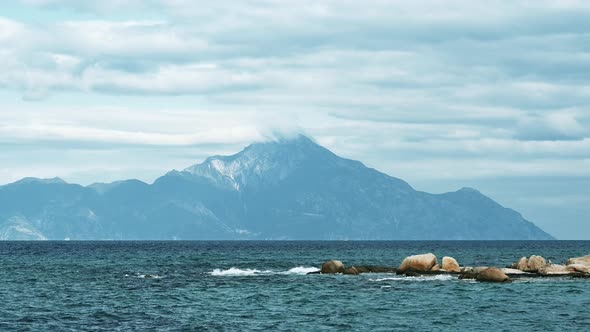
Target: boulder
x=578 y=268
x=492 y=274
x=418 y=263
x=585 y=260
x=470 y=272
x=535 y=263
x=450 y=264
x=554 y=269
x=522 y=264
x=351 y=270
x=331 y=267
x=435 y=268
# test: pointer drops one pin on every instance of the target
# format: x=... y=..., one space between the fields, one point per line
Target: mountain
x=282 y=189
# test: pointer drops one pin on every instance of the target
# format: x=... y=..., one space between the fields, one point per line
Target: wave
x=236 y=272
x=145 y=276
x=302 y=270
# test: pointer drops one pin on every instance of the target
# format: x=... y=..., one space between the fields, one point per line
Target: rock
x=417 y=263
x=554 y=269
x=578 y=268
x=522 y=264
x=585 y=260
x=332 y=267
x=450 y=264
x=374 y=269
x=382 y=269
x=476 y=269
x=492 y=274
x=351 y=270
x=470 y=272
x=435 y=268
x=513 y=271
x=535 y=263
x=362 y=269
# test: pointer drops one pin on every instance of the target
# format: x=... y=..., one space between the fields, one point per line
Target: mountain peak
x=469 y=190
x=262 y=162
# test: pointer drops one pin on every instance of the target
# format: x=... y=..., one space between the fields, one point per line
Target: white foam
x=238 y=272
x=149 y=276
x=299 y=270
x=144 y=276
x=302 y=270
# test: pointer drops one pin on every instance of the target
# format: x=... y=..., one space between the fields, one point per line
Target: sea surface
x=240 y=286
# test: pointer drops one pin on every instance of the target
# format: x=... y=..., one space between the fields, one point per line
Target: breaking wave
x=144 y=276
x=300 y=270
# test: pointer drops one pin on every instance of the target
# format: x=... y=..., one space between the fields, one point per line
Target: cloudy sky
x=443 y=94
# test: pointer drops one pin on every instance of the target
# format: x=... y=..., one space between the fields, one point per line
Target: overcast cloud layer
x=443 y=94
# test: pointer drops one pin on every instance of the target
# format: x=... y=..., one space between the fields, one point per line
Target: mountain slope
x=284 y=189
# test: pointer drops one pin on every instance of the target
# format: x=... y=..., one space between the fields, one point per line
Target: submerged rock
x=492 y=274
x=375 y=269
x=450 y=264
x=333 y=266
x=351 y=270
x=418 y=263
x=362 y=269
x=584 y=260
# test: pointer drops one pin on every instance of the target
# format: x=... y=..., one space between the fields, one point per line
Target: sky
x=493 y=95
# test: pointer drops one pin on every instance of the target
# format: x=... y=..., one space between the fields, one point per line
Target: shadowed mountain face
x=285 y=189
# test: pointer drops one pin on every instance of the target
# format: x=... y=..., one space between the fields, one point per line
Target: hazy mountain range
x=283 y=189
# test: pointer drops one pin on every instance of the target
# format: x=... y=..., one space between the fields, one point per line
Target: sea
x=264 y=286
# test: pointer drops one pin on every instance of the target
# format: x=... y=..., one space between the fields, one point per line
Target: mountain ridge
x=282 y=189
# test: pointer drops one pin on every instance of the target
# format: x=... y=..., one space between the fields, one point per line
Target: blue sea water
x=141 y=286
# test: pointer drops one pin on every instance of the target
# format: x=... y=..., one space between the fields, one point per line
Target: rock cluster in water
x=534 y=266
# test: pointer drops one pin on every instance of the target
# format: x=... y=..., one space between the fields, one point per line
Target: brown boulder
x=470 y=272
x=450 y=264
x=492 y=274
x=522 y=264
x=536 y=262
x=332 y=267
x=351 y=270
x=585 y=260
x=418 y=263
